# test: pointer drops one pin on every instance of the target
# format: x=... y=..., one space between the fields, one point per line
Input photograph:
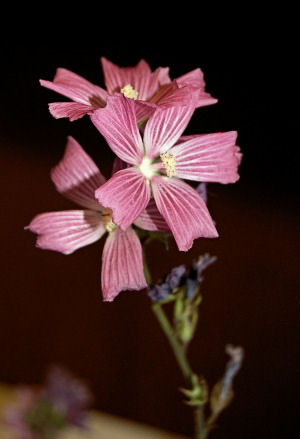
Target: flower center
x=106 y=219
x=129 y=92
x=169 y=163
x=146 y=168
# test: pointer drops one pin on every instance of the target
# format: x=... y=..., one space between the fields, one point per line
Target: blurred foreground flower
x=134 y=82
x=77 y=177
x=42 y=413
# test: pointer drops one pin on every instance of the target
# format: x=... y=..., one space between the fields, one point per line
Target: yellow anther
x=110 y=227
x=129 y=92
x=106 y=218
x=169 y=163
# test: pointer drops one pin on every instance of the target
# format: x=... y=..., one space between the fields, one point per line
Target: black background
x=50 y=305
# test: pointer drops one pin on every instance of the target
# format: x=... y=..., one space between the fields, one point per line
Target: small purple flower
x=159 y=292
x=201 y=264
x=175 y=276
x=236 y=354
x=191 y=288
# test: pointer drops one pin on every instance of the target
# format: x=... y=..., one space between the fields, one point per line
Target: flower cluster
x=42 y=413
x=182 y=287
x=181 y=277
x=142 y=115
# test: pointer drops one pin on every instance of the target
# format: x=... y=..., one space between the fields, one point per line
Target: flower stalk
x=182 y=287
x=174 y=343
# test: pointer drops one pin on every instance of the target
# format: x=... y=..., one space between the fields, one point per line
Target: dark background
x=50 y=304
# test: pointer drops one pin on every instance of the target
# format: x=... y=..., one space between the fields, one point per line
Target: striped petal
x=127 y=194
x=144 y=110
x=72 y=110
x=77 y=177
x=67 y=231
x=75 y=87
x=117 y=123
x=171 y=95
x=195 y=80
x=184 y=211
x=209 y=157
x=122 y=264
x=140 y=77
x=151 y=219
x=165 y=126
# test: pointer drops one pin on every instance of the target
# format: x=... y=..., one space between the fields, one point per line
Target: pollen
x=106 y=219
x=169 y=163
x=129 y=92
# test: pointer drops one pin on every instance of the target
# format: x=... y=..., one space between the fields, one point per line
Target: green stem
x=175 y=345
x=180 y=355
x=199 y=422
x=146 y=269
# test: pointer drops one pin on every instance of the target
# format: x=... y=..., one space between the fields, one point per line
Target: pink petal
x=117 y=123
x=151 y=219
x=238 y=154
x=67 y=231
x=122 y=264
x=195 y=80
x=72 y=110
x=171 y=95
x=139 y=77
x=76 y=88
x=144 y=110
x=209 y=157
x=127 y=194
x=77 y=177
x=165 y=127
x=184 y=211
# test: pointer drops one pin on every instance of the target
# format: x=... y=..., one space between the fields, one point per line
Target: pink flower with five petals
x=138 y=82
x=158 y=163
x=77 y=177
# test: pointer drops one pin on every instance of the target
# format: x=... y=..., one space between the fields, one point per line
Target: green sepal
x=198 y=394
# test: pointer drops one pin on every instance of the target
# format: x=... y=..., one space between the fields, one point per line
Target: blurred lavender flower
x=180 y=276
x=222 y=393
x=201 y=264
x=195 y=277
x=159 y=292
x=236 y=354
x=174 y=277
x=42 y=413
x=68 y=394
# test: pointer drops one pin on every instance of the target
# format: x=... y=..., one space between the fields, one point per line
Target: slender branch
x=199 y=422
x=180 y=354
x=175 y=345
x=146 y=269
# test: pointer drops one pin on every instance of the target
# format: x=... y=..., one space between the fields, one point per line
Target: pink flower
x=134 y=82
x=158 y=162
x=77 y=177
